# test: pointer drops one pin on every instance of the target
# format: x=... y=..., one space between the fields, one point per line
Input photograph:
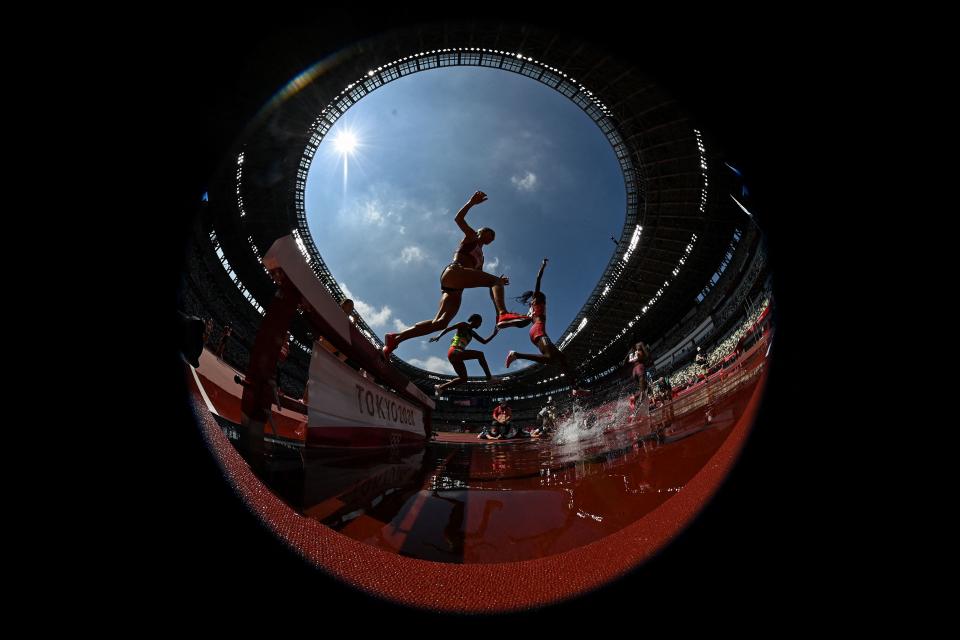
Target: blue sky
x=426 y=142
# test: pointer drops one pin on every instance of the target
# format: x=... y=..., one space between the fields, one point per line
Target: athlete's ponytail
x=527 y=296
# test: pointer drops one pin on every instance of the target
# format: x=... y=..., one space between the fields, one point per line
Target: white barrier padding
x=341 y=397
x=285 y=255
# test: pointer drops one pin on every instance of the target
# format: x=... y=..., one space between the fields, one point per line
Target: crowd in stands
x=711 y=360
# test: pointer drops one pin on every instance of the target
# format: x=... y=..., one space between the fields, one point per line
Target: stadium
x=411 y=489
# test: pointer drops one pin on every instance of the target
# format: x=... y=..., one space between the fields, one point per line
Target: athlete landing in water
x=549 y=354
x=641 y=359
x=458 y=350
x=547 y=417
x=465 y=272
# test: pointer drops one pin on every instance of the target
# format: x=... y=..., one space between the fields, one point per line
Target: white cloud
x=377 y=211
x=376 y=319
x=433 y=363
x=400 y=325
x=490 y=265
x=371 y=211
x=412 y=254
x=526 y=183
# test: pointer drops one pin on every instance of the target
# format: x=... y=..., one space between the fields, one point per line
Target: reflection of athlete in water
x=455 y=533
x=465 y=272
x=458 y=350
x=549 y=354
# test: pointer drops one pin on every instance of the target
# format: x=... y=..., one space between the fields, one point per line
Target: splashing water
x=615 y=423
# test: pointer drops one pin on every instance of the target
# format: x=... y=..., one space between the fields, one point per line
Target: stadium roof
x=679 y=219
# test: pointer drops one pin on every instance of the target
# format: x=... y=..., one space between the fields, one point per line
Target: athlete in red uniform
x=538 y=336
x=639 y=356
x=458 y=350
x=465 y=272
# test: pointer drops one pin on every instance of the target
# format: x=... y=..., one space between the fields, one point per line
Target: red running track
x=575 y=554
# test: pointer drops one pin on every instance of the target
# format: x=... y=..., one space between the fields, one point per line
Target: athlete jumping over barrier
x=549 y=354
x=465 y=272
x=458 y=352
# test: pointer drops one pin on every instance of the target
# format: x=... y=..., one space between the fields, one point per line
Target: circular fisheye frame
x=338 y=265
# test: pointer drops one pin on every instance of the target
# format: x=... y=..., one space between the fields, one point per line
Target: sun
x=345 y=143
